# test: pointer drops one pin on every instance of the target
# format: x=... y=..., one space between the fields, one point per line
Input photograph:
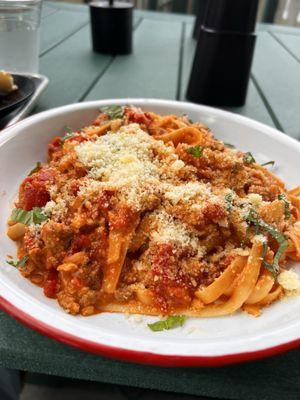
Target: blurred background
x=283 y=12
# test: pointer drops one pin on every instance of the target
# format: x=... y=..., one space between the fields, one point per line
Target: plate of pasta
x=152 y=231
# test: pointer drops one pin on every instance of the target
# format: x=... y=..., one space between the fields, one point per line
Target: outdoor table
x=158 y=68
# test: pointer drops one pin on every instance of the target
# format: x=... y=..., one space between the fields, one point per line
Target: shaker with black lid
x=111 y=26
x=224 y=52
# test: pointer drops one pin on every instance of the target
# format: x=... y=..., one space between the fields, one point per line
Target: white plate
x=211 y=341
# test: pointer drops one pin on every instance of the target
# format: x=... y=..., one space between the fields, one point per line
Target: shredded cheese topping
x=167 y=229
x=189 y=192
x=123 y=161
x=290 y=282
x=137 y=166
x=140 y=167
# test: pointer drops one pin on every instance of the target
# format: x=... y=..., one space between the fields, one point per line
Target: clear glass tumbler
x=19 y=35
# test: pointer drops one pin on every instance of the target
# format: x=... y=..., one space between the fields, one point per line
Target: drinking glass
x=19 y=35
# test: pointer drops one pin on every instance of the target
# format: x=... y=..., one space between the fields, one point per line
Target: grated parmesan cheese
x=259 y=239
x=138 y=167
x=35 y=229
x=124 y=161
x=49 y=207
x=255 y=199
x=53 y=191
x=110 y=155
x=290 y=282
x=58 y=208
x=177 y=165
x=188 y=192
x=167 y=229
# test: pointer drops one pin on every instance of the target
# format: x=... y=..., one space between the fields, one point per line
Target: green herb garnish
x=195 y=151
x=169 y=323
x=287 y=211
x=268 y=163
x=37 y=167
x=267 y=265
x=229 y=201
x=253 y=218
x=188 y=118
x=68 y=134
x=19 y=263
x=248 y=158
x=265 y=250
x=35 y=216
x=113 y=112
x=229 y=145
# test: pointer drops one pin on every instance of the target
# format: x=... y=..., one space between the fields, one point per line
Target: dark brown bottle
x=222 y=63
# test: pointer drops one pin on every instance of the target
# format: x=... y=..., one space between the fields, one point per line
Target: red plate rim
x=140 y=357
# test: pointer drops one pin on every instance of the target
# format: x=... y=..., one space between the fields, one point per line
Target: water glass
x=19 y=35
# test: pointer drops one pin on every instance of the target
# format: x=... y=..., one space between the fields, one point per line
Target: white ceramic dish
x=214 y=341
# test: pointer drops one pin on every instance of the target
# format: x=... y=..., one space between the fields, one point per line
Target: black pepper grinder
x=200 y=16
x=111 y=25
x=224 y=53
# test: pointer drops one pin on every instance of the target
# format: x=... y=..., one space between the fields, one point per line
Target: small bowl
x=16 y=98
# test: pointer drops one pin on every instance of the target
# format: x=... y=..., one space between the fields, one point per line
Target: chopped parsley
x=268 y=163
x=68 y=134
x=195 y=151
x=19 y=263
x=169 y=323
x=113 y=112
x=35 y=216
x=248 y=158
x=37 y=167
x=260 y=225
x=287 y=211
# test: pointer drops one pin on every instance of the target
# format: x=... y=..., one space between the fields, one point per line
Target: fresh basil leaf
x=259 y=224
x=68 y=129
x=248 y=158
x=265 y=250
x=267 y=265
x=113 y=112
x=68 y=133
x=37 y=167
x=229 y=145
x=169 y=323
x=268 y=163
x=175 y=321
x=35 y=216
x=287 y=211
x=13 y=263
x=195 y=151
x=281 y=249
x=157 y=326
x=19 y=263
